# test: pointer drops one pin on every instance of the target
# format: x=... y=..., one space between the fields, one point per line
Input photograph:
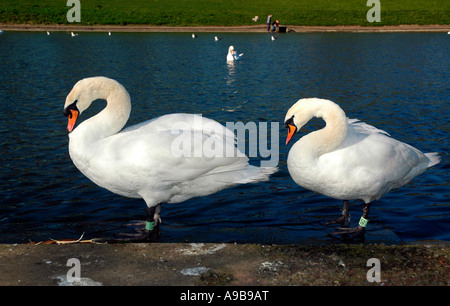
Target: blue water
x=396 y=82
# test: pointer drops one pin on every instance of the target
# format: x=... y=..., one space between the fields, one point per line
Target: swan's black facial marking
x=72 y=106
x=290 y=121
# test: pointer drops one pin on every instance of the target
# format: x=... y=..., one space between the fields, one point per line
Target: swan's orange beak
x=73 y=115
x=291 y=131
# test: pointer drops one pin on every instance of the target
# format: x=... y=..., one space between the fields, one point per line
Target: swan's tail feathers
x=434 y=158
x=255 y=174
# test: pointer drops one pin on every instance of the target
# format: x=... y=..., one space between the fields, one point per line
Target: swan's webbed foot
x=146 y=230
x=343 y=220
x=349 y=234
x=142 y=234
x=354 y=233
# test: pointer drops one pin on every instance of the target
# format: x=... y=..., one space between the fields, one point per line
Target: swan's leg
x=157 y=215
x=356 y=233
x=153 y=219
x=149 y=226
x=343 y=220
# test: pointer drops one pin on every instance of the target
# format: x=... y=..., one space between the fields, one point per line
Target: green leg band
x=149 y=226
x=363 y=222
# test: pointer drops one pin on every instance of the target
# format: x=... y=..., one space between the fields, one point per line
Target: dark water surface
x=396 y=82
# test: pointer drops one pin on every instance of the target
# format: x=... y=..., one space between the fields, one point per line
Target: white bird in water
x=193 y=35
x=232 y=55
x=109 y=33
x=273 y=38
x=73 y=34
x=349 y=159
x=216 y=38
x=48 y=33
x=145 y=160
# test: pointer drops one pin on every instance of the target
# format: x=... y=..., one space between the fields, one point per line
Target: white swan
x=73 y=34
x=232 y=55
x=146 y=160
x=348 y=159
x=193 y=35
x=273 y=38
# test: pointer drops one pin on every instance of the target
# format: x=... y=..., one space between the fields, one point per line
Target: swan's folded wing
x=184 y=122
x=175 y=147
x=364 y=128
x=373 y=162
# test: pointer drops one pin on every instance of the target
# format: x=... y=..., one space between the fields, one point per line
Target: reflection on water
x=397 y=82
x=231 y=72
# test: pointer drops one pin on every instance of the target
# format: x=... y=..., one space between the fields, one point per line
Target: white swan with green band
x=139 y=161
x=349 y=159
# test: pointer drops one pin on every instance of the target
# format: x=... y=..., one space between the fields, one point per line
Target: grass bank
x=226 y=13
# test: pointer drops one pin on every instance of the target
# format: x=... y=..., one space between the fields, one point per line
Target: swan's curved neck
x=332 y=135
x=111 y=119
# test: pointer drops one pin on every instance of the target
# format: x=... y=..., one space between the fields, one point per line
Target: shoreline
x=260 y=28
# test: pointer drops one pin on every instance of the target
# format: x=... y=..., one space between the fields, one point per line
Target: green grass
x=226 y=12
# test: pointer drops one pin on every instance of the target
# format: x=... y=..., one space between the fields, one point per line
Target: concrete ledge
x=190 y=264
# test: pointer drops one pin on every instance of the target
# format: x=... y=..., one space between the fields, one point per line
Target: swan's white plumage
x=139 y=161
x=232 y=55
x=349 y=159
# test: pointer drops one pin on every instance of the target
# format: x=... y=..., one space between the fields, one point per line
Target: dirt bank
x=218 y=29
